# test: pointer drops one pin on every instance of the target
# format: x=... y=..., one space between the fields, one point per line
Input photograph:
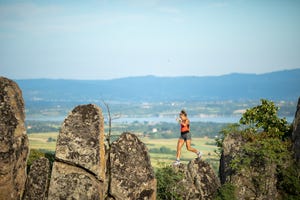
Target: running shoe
x=177 y=162
x=199 y=155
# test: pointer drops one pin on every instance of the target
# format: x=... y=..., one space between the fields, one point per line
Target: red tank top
x=184 y=127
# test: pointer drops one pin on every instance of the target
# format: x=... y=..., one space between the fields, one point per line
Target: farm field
x=47 y=141
x=43 y=141
x=205 y=145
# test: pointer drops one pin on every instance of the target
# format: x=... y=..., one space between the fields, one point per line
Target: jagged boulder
x=231 y=147
x=296 y=133
x=131 y=173
x=258 y=183
x=13 y=141
x=199 y=182
x=37 y=180
x=79 y=168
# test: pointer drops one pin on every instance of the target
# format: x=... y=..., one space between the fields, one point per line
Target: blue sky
x=107 y=39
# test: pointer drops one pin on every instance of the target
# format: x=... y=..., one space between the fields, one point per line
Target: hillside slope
x=281 y=85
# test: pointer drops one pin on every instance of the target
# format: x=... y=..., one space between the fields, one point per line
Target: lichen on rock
x=132 y=176
x=13 y=141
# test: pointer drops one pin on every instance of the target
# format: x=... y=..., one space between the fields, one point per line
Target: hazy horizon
x=152 y=76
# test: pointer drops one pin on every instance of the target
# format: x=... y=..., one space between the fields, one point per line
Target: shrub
x=289 y=182
x=50 y=139
x=38 y=153
x=163 y=149
x=34 y=155
x=226 y=192
x=167 y=179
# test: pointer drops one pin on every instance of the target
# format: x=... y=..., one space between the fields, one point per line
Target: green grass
x=40 y=141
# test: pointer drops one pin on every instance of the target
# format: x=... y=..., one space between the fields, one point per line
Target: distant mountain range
x=280 y=85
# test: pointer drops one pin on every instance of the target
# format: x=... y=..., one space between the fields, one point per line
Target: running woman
x=184 y=137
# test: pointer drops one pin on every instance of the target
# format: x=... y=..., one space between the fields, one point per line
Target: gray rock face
x=71 y=182
x=132 y=176
x=231 y=147
x=200 y=181
x=249 y=183
x=296 y=133
x=81 y=140
x=80 y=163
x=38 y=180
x=13 y=141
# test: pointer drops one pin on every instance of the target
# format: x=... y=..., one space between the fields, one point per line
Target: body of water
x=173 y=120
x=222 y=119
x=216 y=119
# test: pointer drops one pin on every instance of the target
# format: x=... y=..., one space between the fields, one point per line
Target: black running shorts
x=185 y=136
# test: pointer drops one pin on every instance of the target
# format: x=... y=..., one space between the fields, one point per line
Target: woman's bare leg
x=189 y=148
x=179 y=146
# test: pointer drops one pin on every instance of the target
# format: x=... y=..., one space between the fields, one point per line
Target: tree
x=263 y=131
x=264 y=118
x=108 y=139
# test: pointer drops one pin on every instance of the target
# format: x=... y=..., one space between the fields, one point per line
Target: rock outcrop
x=248 y=183
x=37 y=182
x=296 y=133
x=231 y=147
x=79 y=169
x=132 y=176
x=13 y=141
x=199 y=182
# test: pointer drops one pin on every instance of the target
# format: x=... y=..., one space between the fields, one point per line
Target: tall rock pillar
x=37 y=180
x=132 y=176
x=13 y=141
x=79 y=169
x=296 y=133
